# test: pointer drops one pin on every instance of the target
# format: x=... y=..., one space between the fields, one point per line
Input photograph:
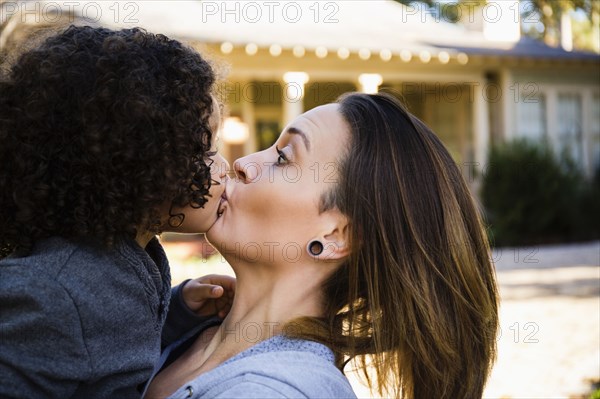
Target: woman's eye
x=281 y=159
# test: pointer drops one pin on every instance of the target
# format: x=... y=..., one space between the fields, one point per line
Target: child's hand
x=210 y=295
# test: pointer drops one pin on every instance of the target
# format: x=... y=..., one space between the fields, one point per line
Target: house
x=473 y=85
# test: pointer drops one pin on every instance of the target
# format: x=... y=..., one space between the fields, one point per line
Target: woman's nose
x=246 y=170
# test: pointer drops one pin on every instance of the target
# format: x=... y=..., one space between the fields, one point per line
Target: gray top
x=80 y=321
x=279 y=367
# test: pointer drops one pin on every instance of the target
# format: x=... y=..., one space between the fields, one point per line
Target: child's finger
x=200 y=292
x=217 y=291
x=227 y=282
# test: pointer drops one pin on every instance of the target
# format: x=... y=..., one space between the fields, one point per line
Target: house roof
x=528 y=48
x=370 y=26
x=352 y=24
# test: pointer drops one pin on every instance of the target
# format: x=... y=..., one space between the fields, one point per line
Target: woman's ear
x=335 y=239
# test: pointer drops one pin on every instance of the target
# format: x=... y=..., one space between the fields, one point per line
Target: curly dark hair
x=98 y=130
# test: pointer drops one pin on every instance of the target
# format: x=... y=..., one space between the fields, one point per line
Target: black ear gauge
x=315 y=248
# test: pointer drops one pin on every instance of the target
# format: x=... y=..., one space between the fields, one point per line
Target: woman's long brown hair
x=417 y=298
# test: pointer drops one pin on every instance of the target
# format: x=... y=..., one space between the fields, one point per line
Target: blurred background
x=511 y=87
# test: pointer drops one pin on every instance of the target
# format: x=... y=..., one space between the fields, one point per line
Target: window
x=569 y=140
x=531 y=117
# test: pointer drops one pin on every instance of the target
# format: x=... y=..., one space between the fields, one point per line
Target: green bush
x=531 y=197
x=589 y=214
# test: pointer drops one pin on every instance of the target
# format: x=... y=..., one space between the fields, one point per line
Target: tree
x=550 y=12
x=447 y=11
x=540 y=19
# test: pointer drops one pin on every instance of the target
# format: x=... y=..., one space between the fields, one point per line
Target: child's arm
x=195 y=301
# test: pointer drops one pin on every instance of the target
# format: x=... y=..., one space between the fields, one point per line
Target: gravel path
x=543 y=257
x=550 y=320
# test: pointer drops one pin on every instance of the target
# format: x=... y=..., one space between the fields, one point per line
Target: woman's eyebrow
x=294 y=130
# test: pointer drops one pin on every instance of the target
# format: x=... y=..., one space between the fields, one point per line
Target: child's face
x=201 y=219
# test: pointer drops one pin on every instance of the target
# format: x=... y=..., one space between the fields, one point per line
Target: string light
x=226 y=47
x=275 y=50
x=406 y=55
x=298 y=51
x=321 y=52
x=364 y=54
x=444 y=57
x=343 y=53
x=425 y=56
x=251 y=49
x=385 y=54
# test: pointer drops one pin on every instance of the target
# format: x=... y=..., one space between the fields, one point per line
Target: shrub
x=531 y=197
x=589 y=213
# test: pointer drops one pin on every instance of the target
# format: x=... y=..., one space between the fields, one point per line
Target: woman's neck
x=264 y=302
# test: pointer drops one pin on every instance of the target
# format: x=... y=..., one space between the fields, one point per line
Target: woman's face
x=272 y=207
x=201 y=219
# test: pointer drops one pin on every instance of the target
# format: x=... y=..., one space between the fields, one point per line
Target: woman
x=384 y=261
x=105 y=141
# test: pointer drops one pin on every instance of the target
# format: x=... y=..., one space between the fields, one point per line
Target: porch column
x=293 y=95
x=481 y=128
x=551 y=122
x=250 y=145
x=370 y=82
x=508 y=105
x=587 y=104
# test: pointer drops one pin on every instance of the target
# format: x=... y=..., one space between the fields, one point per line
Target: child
x=105 y=141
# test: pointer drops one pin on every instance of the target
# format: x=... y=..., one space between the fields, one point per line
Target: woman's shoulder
x=277 y=367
